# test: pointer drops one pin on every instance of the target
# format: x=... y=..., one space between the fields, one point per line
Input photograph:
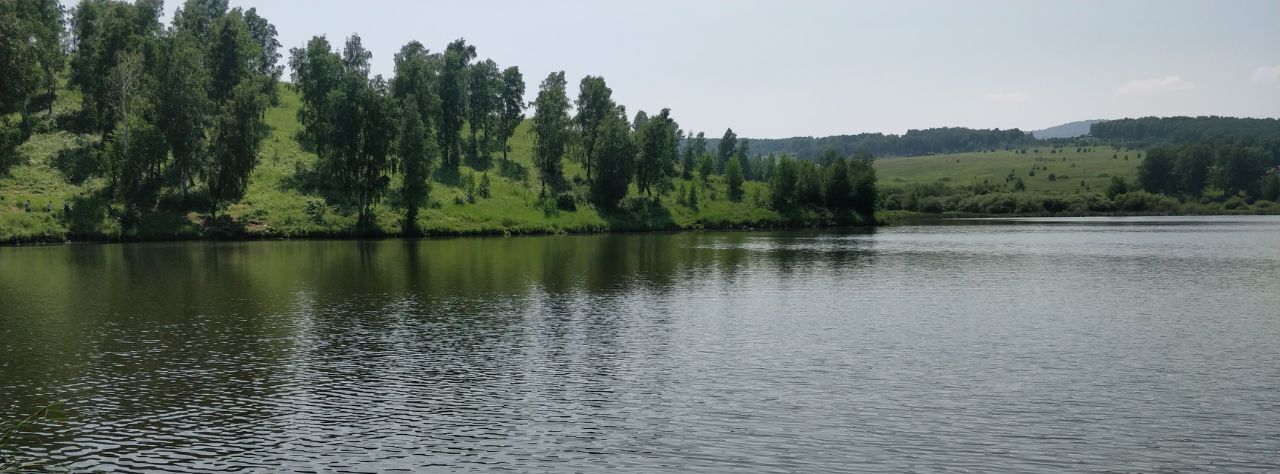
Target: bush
x=1144 y=201
x=1234 y=203
x=566 y=202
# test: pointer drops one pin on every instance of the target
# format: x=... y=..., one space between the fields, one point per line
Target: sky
x=785 y=68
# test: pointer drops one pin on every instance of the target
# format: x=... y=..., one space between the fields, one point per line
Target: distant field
x=1093 y=167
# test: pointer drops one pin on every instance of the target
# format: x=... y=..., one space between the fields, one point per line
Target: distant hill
x=1066 y=130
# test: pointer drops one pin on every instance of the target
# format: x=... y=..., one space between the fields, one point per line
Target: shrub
x=566 y=202
x=1234 y=203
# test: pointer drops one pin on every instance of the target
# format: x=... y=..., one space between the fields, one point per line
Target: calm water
x=1070 y=344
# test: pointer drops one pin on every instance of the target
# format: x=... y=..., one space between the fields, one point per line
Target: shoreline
x=884 y=219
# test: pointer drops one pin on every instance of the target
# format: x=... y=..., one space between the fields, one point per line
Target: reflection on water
x=1077 y=344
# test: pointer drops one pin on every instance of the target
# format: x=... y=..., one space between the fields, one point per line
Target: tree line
x=912 y=143
x=180 y=112
x=1208 y=130
x=1187 y=170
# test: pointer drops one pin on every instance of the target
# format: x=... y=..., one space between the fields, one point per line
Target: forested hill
x=1183 y=130
x=913 y=143
x=1067 y=130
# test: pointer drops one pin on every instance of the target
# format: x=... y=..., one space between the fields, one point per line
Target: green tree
x=838 y=190
x=184 y=108
x=237 y=137
x=687 y=162
x=233 y=55
x=783 y=183
x=866 y=196
x=1191 y=169
x=416 y=153
x=1155 y=172
x=641 y=119
x=550 y=127
x=657 y=142
x=733 y=178
x=1239 y=170
x=317 y=74
x=595 y=105
x=453 y=101
x=706 y=167
x=615 y=151
x=1117 y=187
x=267 y=63
x=728 y=145
x=512 y=107
x=377 y=136
x=1270 y=189
x=742 y=153
x=483 y=107
x=103 y=30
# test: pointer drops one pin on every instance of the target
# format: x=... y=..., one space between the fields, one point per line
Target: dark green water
x=1073 y=344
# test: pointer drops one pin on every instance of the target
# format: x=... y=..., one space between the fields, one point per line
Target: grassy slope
x=1095 y=168
x=277 y=206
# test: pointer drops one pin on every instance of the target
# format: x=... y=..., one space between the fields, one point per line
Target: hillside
x=58 y=170
x=1075 y=170
x=1066 y=130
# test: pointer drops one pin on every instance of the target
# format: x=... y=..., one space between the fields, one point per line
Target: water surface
x=1138 y=344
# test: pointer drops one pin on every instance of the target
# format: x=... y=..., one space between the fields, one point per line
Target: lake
x=1086 y=344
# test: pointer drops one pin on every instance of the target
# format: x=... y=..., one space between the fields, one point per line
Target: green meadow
x=1074 y=170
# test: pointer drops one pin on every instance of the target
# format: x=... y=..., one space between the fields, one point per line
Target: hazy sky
x=785 y=68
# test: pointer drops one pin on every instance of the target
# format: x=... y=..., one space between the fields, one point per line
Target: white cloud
x=1007 y=97
x=1266 y=74
x=1155 y=86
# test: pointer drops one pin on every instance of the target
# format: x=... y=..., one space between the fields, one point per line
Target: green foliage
x=615 y=151
x=453 y=101
x=237 y=138
x=1270 y=189
x=512 y=100
x=733 y=177
x=417 y=154
x=1117 y=187
x=658 y=142
x=595 y=105
x=484 y=89
x=550 y=127
x=725 y=148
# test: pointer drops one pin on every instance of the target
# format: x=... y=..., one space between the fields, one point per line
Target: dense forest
x=1148 y=131
x=912 y=143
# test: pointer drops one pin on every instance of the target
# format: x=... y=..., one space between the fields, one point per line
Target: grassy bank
x=281 y=203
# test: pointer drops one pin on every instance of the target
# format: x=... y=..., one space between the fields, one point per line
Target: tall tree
x=453 y=101
x=783 y=184
x=237 y=137
x=317 y=73
x=266 y=64
x=198 y=18
x=657 y=142
x=595 y=104
x=416 y=153
x=184 y=107
x=550 y=127
x=377 y=135
x=233 y=55
x=512 y=106
x=483 y=97
x=103 y=30
x=733 y=179
x=417 y=77
x=743 y=155
x=728 y=145
x=1154 y=173
x=615 y=152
